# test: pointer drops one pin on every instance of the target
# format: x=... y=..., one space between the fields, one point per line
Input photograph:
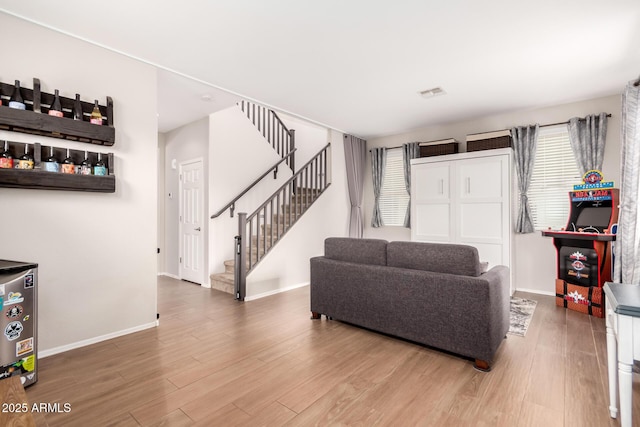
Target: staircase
x=270 y=233
x=261 y=230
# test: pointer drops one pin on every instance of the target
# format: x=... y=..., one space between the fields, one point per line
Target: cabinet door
x=480 y=178
x=483 y=207
x=431 y=202
x=431 y=181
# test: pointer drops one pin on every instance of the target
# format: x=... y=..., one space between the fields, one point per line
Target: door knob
x=197 y=229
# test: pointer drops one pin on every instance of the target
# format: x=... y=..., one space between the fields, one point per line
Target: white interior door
x=191 y=221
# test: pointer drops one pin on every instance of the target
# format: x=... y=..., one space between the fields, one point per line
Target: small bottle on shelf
x=67 y=165
x=56 y=107
x=96 y=115
x=85 y=166
x=100 y=168
x=51 y=164
x=16 y=100
x=77 y=109
x=26 y=160
x=6 y=159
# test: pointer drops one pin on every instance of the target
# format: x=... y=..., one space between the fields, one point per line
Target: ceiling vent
x=430 y=93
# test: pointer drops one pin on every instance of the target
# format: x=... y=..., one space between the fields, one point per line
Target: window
x=394 y=198
x=554 y=174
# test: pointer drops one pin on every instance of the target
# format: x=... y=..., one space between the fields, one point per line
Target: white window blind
x=554 y=174
x=394 y=198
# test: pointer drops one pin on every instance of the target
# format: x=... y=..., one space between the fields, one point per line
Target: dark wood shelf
x=41 y=180
x=38 y=178
x=26 y=121
x=36 y=120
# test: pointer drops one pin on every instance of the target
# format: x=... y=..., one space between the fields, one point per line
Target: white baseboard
x=173 y=276
x=275 y=291
x=94 y=340
x=536 y=291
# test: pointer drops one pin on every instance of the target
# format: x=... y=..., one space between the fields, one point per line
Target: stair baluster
x=272 y=129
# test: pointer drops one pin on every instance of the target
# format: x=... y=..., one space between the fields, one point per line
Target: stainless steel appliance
x=18 y=320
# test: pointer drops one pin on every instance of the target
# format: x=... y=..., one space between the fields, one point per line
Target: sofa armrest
x=500 y=301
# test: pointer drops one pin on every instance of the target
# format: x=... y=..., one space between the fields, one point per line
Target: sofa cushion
x=361 y=251
x=436 y=257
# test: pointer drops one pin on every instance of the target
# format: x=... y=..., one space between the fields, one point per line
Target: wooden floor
x=216 y=362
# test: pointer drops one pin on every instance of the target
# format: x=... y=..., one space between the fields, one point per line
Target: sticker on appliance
x=13 y=330
x=14 y=311
x=28 y=281
x=13 y=298
x=22 y=366
x=29 y=363
x=23 y=347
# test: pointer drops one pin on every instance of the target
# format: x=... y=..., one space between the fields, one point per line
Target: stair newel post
x=240 y=268
x=292 y=146
x=327 y=166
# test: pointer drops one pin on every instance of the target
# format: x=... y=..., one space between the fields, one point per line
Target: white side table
x=623 y=345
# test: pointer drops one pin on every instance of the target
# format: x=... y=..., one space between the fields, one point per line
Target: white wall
x=534 y=256
x=287 y=265
x=161 y=203
x=188 y=142
x=96 y=252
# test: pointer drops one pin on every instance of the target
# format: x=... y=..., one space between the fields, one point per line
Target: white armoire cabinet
x=465 y=198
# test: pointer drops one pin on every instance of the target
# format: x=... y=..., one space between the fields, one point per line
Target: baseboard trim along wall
x=173 y=276
x=536 y=291
x=56 y=350
x=275 y=291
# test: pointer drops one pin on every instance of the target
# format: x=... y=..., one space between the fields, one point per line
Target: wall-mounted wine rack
x=35 y=120
x=38 y=178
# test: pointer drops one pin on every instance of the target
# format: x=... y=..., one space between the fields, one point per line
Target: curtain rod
x=389 y=148
x=564 y=123
x=542 y=126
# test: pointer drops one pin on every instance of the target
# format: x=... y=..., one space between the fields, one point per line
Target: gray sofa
x=429 y=293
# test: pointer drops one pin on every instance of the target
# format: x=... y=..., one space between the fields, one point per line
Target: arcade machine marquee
x=584 y=246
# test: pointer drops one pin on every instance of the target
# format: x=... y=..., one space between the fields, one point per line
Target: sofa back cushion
x=436 y=257
x=361 y=251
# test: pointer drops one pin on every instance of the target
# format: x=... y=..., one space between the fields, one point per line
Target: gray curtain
x=410 y=150
x=355 y=152
x=378 y=162
x=627 y=244
x=525 y=140
x=588 y=138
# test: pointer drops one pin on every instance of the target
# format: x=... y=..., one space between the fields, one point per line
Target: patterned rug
x=521 y=314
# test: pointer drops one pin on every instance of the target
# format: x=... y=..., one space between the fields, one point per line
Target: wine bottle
x=16 y=100
x=6 y=159
x=96 y=115
x=26 y=160
x=56 y=107
x=99 y=168
x=51 y=164
x=77 y=109
x=67 y=165
x=85 y=166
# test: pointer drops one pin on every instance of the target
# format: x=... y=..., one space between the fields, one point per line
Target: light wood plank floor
x=216 y=362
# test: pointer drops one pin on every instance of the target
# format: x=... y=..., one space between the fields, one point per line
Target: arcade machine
x=584 y=246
